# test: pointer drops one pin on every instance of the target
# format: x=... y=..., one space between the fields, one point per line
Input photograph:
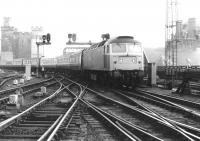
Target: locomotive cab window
x=134 y=48
x=118 y=48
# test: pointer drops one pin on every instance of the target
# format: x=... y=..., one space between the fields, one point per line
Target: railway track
x=94 y=116
x=7 y=73
x=167 y=112
x=187 y=105
x=137 y=118
x=29 y=99
x=5 y=93
x=187 y=120
x=190 y=118
x=195 y=88
x=37 y=121
x=5 y=79
x=87 y=123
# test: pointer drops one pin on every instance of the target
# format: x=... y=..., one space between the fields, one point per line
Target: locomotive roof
x=119 y=39
x=122 y=39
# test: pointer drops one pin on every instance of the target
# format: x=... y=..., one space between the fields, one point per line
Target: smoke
x=185 y=56
x=189 y=57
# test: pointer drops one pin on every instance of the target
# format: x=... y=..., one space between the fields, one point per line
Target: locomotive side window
x=118 y=47
x=108 y=49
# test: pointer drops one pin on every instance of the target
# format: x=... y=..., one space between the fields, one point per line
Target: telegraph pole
x=46 y=41
x=170 y=32
x=171 y=37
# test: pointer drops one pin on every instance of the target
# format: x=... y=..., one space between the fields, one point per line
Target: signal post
x=46 y=41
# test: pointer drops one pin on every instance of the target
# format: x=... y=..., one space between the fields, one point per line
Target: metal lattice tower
x=170 y=33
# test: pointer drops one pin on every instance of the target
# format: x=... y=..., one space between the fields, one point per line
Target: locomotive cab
x=124 y=58
x=126 y=54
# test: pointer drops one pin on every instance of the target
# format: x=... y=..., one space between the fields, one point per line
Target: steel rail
x=188 y=128
x=171 y=103
x=141 y=112
x=143 y=131
x=174 y=99
x=9 y=78
x=71 y=108
x=11 y=120
x=42 y=138
x=110 y=121
x=65 y=116
x=161 y=120
x=27 y=85
x=127 y=131
x=177 y=125
x=75 y=82
x=5 y=99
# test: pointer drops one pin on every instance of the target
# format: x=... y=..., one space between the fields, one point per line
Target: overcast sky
x=143 y=19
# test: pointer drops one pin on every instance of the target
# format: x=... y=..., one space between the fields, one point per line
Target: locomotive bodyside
x=119 y=59
x=93 y=58
x=115 y=54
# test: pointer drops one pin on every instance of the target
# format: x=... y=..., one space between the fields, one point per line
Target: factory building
x=188 y=31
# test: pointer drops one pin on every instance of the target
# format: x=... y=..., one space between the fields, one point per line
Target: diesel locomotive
x=117 y=61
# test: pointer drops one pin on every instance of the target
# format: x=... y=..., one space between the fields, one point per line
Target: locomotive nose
x=126 y=63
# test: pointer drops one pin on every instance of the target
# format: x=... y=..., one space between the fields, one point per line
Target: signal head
x=74 y=37
x=69 y=36
x=48 y=37
x=44 y=38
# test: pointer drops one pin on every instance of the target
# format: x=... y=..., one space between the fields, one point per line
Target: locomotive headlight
x=139 y=60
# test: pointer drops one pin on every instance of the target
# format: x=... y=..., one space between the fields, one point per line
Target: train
x=114 y=61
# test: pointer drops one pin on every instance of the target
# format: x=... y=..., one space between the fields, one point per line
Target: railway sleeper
x=49 y=112
x=45 y=115
x=37 y=122
x=44 y=118
x=22 y=137
x=34 y=125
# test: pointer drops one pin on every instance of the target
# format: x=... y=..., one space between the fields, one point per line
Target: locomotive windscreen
x=134 y=48
x=129 y=48
x=118 y=47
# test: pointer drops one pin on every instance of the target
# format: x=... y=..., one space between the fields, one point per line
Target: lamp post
x=46 y=41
